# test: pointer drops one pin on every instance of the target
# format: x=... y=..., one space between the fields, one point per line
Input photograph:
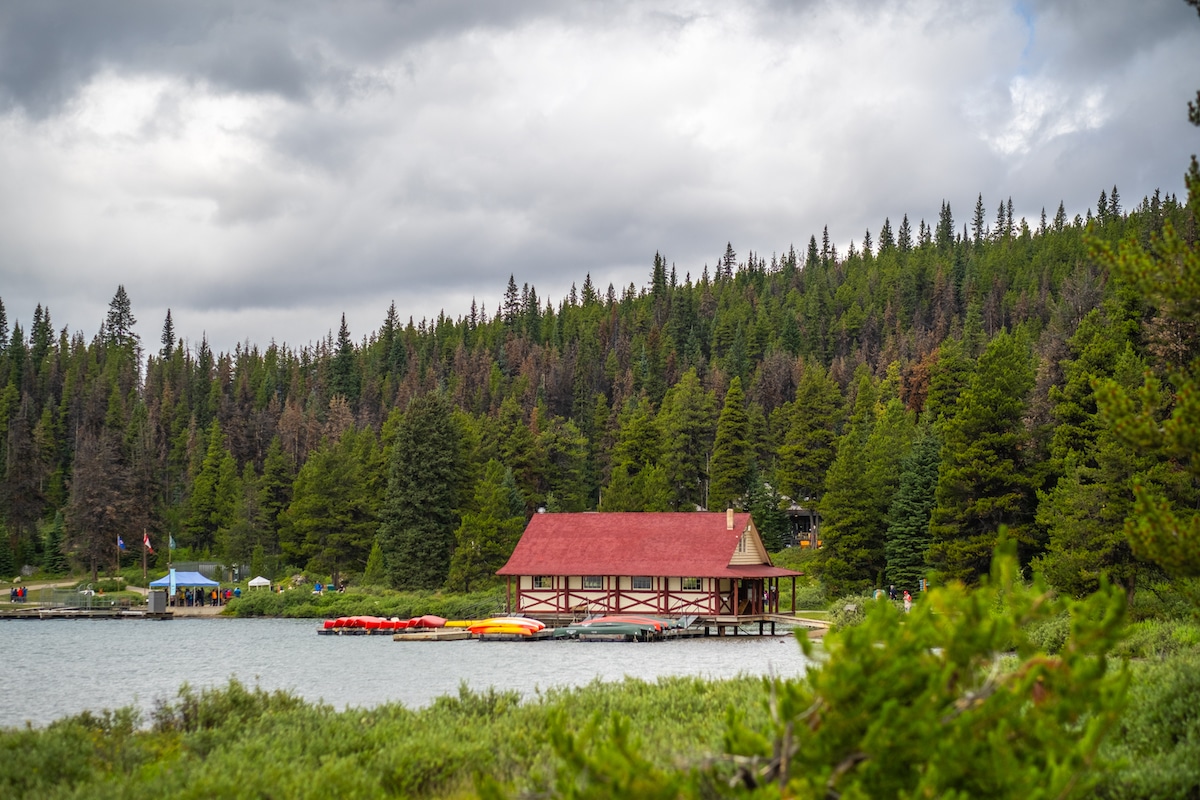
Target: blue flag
x=120 y=542
x=172 y=545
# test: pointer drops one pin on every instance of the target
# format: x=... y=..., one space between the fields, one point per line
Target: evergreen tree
x=345 y=376
x=859 y=488
x=375 y=573
x=419 y=515
x=55 y=562
x=687 y=423
x=638 y=441
x=118 y=325
x=908 y=518
x=808 y=444
x=765 y=504
x=732 y=464
x=214 y=495
x=332 y=518
x=489 y=532
x=984 y=481
x=1161 y=418
x=168 y=338
x=566 y=457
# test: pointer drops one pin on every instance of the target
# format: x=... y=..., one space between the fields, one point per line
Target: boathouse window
x=641 y=582
x=593 y=582
x=542 y=582
x=691 y=584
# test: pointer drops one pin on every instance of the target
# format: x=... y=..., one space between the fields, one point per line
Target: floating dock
x=84 y=613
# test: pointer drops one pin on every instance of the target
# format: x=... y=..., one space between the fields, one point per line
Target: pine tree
x=375 y=573
x=859 y=488
x=908 y=517
x=118 y=325
x=904 y=238
x=345 y=376
x=984 y=481
x=732 y=464
x=1161 y=418
x=332 y=517
x=214 y=495
x=687 y=422
x=765 y=504
x=55 y=562
x=419 y=515
x=489 y=532
x=808 y=444
x=168 y=338
x=977 y=231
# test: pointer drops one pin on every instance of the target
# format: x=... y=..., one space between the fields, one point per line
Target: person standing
x=907 y=601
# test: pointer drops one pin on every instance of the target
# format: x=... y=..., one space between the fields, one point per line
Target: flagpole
x=144 y=540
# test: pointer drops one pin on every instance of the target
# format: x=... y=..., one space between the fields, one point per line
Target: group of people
x=17 y=594
x=204 y=597
x=907 y=597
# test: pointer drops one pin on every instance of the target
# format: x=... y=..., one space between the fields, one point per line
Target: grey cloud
x=49 y=49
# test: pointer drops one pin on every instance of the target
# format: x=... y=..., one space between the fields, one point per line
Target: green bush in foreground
x=1157 y=744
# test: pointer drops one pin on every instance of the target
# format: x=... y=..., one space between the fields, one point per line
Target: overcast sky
x=261 y=168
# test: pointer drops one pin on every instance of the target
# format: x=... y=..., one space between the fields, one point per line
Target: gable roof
x=684 y=544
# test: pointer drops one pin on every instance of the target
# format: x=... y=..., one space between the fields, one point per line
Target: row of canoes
x=620 y=625
x=614 y=625
x=383 y=624
x=514 y=626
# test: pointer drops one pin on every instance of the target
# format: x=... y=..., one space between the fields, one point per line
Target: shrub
x=1159 y=639
x=1157 y=741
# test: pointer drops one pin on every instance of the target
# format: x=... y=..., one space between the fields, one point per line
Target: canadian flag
x=146 y=541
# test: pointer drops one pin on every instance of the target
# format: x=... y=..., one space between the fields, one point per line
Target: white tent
x=259 y=581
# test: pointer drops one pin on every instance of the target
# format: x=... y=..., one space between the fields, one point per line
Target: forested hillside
x=921 y=389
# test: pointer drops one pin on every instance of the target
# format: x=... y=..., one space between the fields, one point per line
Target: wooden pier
x=114 y=612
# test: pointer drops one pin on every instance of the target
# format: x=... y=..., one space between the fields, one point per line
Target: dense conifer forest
x=921 y=389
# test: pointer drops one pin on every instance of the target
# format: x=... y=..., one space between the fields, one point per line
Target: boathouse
x=707 y=564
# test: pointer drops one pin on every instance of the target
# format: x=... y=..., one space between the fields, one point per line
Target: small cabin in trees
x=680 y=564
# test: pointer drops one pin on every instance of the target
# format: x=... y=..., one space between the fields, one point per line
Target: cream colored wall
x=754 y=553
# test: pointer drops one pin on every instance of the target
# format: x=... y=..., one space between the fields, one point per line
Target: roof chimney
x=729 y=519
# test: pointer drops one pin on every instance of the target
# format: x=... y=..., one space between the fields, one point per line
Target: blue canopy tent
x=185 y=580
x=174 y=581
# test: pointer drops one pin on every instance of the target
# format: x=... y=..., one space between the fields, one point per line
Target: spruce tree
x=687 y=422
x=345 y=378
x=732 y=463
x=808 y=449
x=1161 y=417
x=168 y=338
x=332 y=517
x=488 y=533
x=984 y=481
x=859 y=488
x=908 y=518
x=55 y=562
x=419 y=514
x=118 y=325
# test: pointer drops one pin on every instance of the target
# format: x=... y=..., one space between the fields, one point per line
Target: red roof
x=652 y=544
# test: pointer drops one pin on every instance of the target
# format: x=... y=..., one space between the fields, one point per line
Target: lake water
x=56 y=668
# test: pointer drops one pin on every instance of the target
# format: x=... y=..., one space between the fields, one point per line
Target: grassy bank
x=303 y=604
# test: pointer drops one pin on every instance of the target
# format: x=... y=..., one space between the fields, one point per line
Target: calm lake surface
x=56 y=668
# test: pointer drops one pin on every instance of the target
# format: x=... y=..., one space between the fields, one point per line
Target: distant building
x=703 y=564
